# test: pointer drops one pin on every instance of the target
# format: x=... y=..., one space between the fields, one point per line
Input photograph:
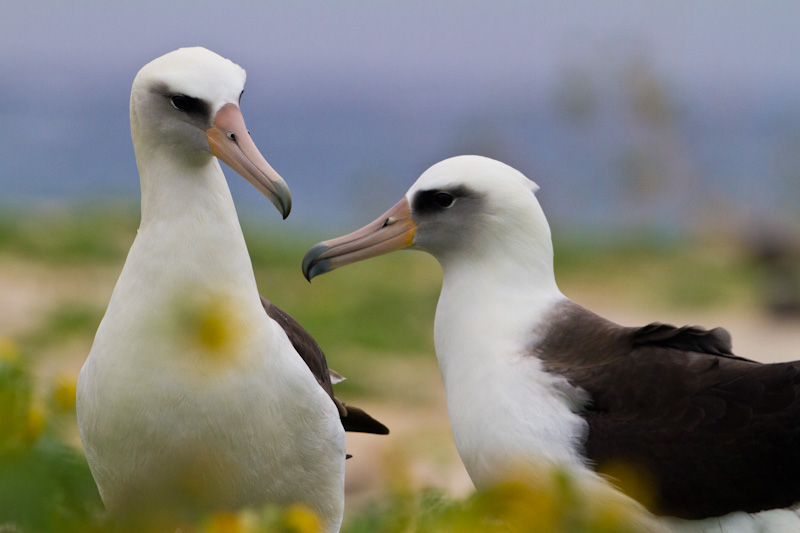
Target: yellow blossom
x=34 y=425
x=300 y=519
x=211 y=323
x=213 y=330
x=63 y=393
x=225 y=523
x=9 y=351
x=633 y=481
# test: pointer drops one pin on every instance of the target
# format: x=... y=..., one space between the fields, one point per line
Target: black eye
x=187 y=104
x=443 y=199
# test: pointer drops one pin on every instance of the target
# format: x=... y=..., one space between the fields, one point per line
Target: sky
x=352 y=100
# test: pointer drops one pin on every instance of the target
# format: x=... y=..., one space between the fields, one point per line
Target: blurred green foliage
x=68 y=236
x=45 y=484
x=70 y=320
x=363 y=316
x=555 y=507
x=369 y=312
x=660 y=273
x=385 y=304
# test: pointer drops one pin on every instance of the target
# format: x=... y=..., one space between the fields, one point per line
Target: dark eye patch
x=196 y=108
x=443 y=199
x=188 y=104
x=438 y=200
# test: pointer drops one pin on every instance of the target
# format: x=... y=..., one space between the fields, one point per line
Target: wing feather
x=353 y=419
x=712 y=432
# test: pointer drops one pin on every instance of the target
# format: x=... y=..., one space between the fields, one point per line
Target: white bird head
x=463 y=207
x=185 y=105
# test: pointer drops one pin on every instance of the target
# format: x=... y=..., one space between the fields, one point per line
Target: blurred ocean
x=659 y=116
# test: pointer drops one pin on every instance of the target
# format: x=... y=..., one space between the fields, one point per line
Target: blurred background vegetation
x=665 y=137
x=374 y=321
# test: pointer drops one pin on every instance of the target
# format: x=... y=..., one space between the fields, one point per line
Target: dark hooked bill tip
x=285 y=209
x=312 y=266
x=281 y=198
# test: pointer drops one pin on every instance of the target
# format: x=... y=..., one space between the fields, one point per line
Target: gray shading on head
x=455 y=213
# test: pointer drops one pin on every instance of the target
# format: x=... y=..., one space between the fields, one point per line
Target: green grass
x=67 y=321
x=45 y=484
x=93 y=234
x=383 y=307
x=369 y=318
x=667 y=274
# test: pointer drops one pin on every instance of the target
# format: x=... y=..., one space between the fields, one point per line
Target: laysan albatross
x=533 y=379
x=198 y=395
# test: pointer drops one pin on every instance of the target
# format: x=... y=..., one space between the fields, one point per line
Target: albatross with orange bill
x=198 y=395
x=535 y=381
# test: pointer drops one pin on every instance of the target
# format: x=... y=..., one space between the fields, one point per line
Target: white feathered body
x=173 y=422
x=511 y=419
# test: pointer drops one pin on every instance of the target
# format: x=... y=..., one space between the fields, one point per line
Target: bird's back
x=709 y=432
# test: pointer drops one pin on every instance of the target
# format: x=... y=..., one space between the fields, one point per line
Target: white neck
x=188 y=214
x=500 y=291
x=189 y=245
x=505 y=411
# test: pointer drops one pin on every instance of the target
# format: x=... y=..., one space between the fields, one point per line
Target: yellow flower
x=9 y=351
x=634 y=481
x=301 y=519
x=34 y=425
x=213 y=329
x=232 y=522
x=211 y=323
x=223 y=523
x=63 y=393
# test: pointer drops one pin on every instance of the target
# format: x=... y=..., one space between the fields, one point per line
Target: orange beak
x=230 y=141
x=391 y=231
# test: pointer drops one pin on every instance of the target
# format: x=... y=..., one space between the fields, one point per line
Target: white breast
x=170 y=421
x=512 y=421
x=505 y=411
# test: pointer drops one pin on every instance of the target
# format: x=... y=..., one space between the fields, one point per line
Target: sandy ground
x=419 y=451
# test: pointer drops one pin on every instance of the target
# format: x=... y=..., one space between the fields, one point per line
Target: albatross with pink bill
x=535 y=381
x=198 y=395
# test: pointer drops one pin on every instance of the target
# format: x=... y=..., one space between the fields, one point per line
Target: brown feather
x=714 y=432
x=353 y=419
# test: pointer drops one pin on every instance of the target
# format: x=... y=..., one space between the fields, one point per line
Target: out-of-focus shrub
x=45 y=484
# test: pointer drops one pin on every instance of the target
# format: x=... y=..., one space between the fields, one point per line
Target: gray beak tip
x=314 y=266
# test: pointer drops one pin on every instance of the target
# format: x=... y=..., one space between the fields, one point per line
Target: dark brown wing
x=712 y=432
x=353 y=418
